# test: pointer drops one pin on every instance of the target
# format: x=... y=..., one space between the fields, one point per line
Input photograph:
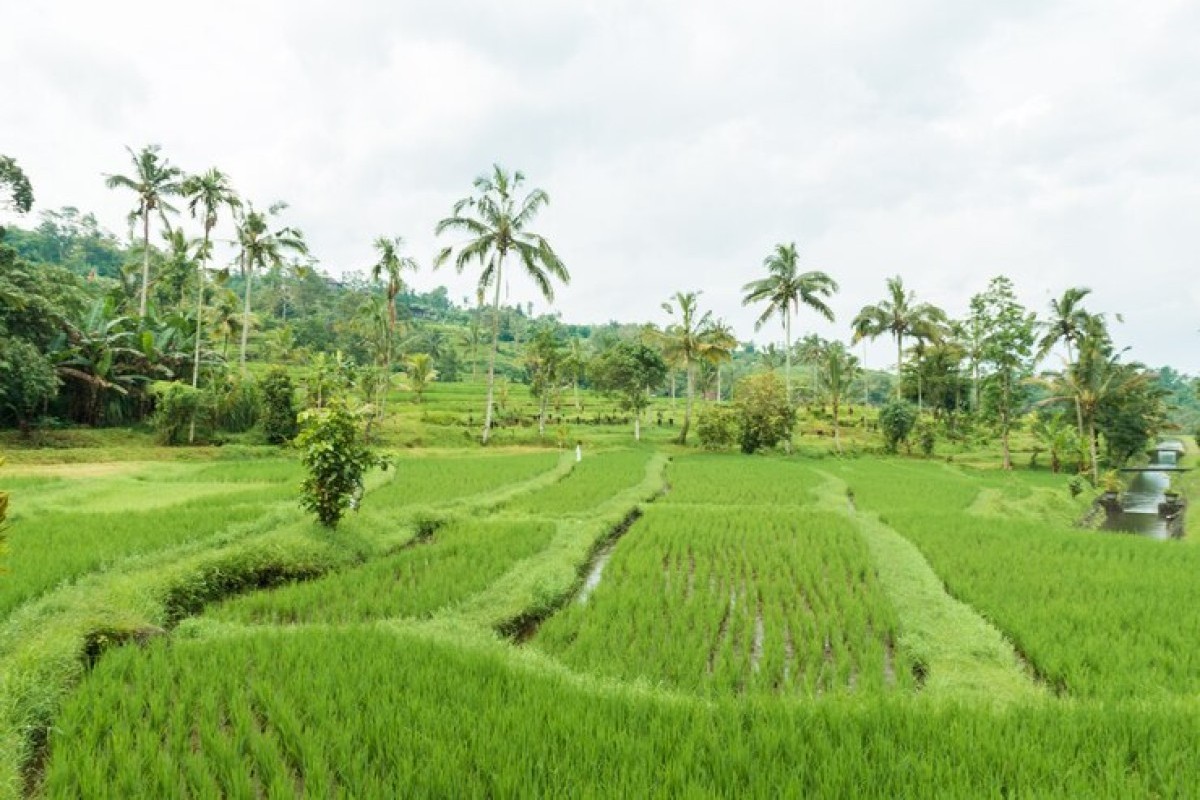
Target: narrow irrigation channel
x=1145 y=507
x=525 y=627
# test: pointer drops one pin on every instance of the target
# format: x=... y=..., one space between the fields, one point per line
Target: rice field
x=740 y=638
x=458 y=560
x=736 y=600
x=1107 y=616
x=369 y=712
x=593 y=481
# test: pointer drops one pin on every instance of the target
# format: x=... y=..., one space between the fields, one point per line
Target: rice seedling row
x=421 y=481
x=376 y=713
x=590 y=483
x=733 y=480
x=461 y=559
x=737 y=600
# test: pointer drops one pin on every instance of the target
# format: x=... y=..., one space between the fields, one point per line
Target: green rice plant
x=737 y=480
x=1096 y=614
x=726 y=600
x=430 y=480
x=461 y=559
x=368 y=712
x=593 y=481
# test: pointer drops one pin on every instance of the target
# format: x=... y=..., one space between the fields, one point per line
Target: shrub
x=238 y=405
x=717 y=428
x=336 y=458
x=27 y=381
x=175 y=405
x=896 y=420
x=765 y=417
x=926 y=438
x=279 y=406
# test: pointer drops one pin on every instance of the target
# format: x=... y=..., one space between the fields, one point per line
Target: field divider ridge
x=964 y=657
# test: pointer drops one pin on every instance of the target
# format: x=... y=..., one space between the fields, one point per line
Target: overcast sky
x=679 y=140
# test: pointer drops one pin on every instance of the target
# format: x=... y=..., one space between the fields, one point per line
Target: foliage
x=28 y=381
x=17 y=192
x=629 y=371
x=420 y=374
x=926 y=437
x=765 y=415
x=896 y=421
x=175 y=406
x=717 y=427
x=238 y=403
x=336 y=461
x=1009 y=334
x=899 y=315
x=279 y=407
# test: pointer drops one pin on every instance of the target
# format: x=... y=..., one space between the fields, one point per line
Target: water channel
x=1140 y=500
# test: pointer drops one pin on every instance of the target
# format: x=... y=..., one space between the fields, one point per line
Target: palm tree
x=420 y=374
x=153 y=181
x=390 y=266
x=721 y=344
x=496 y=223
x=206 y=194
x=784 y=289
x=811 y=351
x=688 y=342
x=900 y=315
x=262 y=248
x=840 y=368
x=1068 y=323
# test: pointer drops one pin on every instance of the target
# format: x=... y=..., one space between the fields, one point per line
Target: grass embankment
x=46 y=645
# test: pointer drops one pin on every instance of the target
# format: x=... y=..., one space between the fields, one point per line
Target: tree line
x=91 y=324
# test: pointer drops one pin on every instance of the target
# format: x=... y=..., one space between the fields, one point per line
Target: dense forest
x=184 y=315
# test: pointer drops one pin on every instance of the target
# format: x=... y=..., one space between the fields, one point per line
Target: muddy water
x=1140 y=500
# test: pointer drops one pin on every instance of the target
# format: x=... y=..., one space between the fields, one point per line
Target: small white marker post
x=578 y=452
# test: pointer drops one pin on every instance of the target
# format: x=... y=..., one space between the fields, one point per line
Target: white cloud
x=941 y=140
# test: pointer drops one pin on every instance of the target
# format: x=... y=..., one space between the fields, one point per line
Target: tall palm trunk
x=487 y=414
x=199 y=329
x=787 y=353
x=718 y=383
x=899 y=365
x=248 y=271
x=837 y=437
x=691 y=396
x=142 y=305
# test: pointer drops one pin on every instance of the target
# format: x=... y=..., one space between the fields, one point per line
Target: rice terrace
x=874 y=482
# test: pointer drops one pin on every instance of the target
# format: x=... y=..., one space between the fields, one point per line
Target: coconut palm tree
x=784 y=290
x=206 y=194
x=721 y=344
x=389 y=268
x=688 y=342
x=420 y=374
x=839 y=368
x=899 y=315
x=496 y=222
x=153 y=181
x=1068 y=323
x=261 y=248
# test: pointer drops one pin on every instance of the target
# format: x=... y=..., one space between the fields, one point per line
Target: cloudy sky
x=943 y=140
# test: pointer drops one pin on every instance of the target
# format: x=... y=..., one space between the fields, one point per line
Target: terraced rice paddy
x=743 y=638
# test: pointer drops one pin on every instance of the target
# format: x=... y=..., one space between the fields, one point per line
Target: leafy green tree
x=899 y=315
x=497 y=222
x=765 y=414
x=28 y=381
x=839 y=368
x=896 y=421
x=544 y=360
x=336 y=459
x=279 y=406
x=629 y=371
x=784 y=290
x=1059 y=438
x=420 y=374
x=1007 y=350
x=17 y=190
x=176 y=405
x=262 y=247
x=717 y=427
x=154 y=180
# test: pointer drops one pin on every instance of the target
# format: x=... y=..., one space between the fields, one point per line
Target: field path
x=965 y=657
